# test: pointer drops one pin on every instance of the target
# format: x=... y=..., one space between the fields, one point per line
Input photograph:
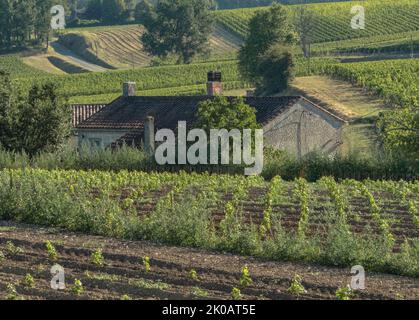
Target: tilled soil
x=123 y=272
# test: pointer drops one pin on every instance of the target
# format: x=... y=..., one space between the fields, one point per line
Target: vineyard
x=14 y=65
x=396 y=80
x=147 y=79
x=374 y=224
x=406 y=42
x=332 y=20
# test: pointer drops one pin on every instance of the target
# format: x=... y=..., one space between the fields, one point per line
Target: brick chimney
x=214 y=84
x=129 y=89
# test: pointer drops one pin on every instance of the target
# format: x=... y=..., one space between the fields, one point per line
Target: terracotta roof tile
x=82 y=112
x=131 y=112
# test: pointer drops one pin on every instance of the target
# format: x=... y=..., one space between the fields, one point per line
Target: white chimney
x=129 y=89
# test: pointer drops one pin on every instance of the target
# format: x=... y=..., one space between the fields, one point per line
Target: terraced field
x=123 y=275
x=120 y=46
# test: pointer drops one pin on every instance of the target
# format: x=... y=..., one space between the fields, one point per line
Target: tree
x=304 y=25
x=24 y=22
x=112 y=11
x=222 y=113
x=7 y=110
x=180 y=27
x=266 y=28
x=275 y=70
x=94 y=10
x=37 y=122
x=6 y=13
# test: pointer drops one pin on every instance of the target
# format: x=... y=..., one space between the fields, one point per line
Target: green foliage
x=331 y=20
x=193 y=275
x=52 y=252
x=400 y=130
x=97 y=257
x=94 y=10
x=126 y=297
x=37 y=122
x=28 y=281
x=14 y=65
x=222 y=113
x=344 y=293
x=275 y=70
x=266 y=29
x=12 y=249
x=146 y=264
x=180 y=27
x=24 y=22
x=112 y=11
x=162 y=80
x=92 y=202
x=296 y=288
x=11 y=292
x=245 y=279
x=77 y=288
x=236 y=294
x=301 y=191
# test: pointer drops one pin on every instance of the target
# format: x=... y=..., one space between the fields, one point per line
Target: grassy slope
x=120 y=47
x=351 y=102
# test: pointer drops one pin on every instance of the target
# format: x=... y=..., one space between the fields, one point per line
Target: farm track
x=123 y=272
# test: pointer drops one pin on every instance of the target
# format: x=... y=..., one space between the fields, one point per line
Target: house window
x=95 y=142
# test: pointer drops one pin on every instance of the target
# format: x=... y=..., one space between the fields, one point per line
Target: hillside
x=120 y=46
x=332 y=20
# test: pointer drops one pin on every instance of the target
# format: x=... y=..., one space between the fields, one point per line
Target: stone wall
x=303 y=129
x=103 y=137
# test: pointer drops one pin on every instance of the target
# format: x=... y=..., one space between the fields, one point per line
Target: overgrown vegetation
x=36 y=122
x=312 y=167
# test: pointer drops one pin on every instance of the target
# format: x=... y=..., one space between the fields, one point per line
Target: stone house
x=294 y=124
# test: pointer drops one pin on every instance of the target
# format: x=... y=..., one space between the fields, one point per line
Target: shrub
x=245 y=279
x=52 y=252
x=344 y=293
x=97 y=258
x=77 y=288
x=296 y=288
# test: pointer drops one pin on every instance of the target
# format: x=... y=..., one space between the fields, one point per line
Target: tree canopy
x=176 y=27
x=25 y=22
x=221 y=113
x=266 y=29
x=36 y=122
x=275 y=70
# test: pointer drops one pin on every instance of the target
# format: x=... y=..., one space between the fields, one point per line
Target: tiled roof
x=131 y=112
x=82 y=112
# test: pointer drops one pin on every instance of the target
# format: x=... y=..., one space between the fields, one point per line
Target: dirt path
x=169 y=278
x=75 y=59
